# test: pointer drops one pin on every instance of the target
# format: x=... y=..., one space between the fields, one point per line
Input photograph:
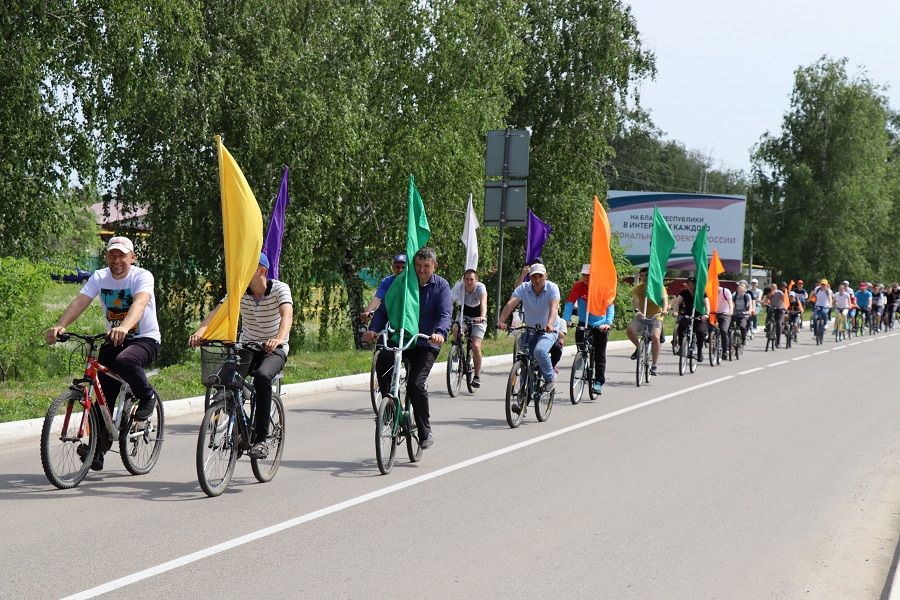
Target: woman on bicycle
x=743 y=303
x=472 y=296
x=596 y=326
x=684 y=304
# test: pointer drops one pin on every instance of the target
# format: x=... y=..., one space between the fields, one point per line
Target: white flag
x=469 y=238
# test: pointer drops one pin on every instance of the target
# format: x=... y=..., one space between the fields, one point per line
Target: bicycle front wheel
x=543 y=403
x=217 y=446
x=413 y=440
x=374 y=390
x=578 y=379
x=140 y=442
x=516 y=389
x=264 y=469
x=386 y=435
x=639 y=363
x=713 y=347
x=454 y=369
x=682 y=358
x=67 y=427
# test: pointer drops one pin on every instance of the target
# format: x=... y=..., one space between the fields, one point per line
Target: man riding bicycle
x=435 y=314
x=397 y=266
x=540 y=301
x=864 y=302
x=743 y=306
x=824 y=301
x=654 y=312
x=267 y=312
x=724 y=309
x=802 y=297
x=684 y=305
x=774 y=300
x=595 y=326
x=126 y=294
x=471 y=295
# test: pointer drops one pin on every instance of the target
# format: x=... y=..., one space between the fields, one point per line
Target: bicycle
x=644 y=350
x=819 y=326
x=525 y=384
x=374 y=390
x=225 y=431
x=840 y=325
x=459 y=363
x=772 y=333
x=69 y=435
x=787 y=329
x=582 y=366
x=737 y=338
x=686 y=353
x=394 y=422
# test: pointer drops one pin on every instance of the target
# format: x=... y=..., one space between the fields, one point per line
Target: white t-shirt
x=470 y=301
x=117 y=296
x=823 y=296
x=724 y=301
x=842 y=300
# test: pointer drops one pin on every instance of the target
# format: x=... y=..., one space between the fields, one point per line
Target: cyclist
x=596 y=326
x=864 y=302
x=472 y=296
x=267 y=312
x=683 y=303
x=556 y=349
x=397 y=266
x=743 y=303
x=435 y=316
x=794 y=312
x=539 y=298
x=774 y=301
x=823 y=303
x=802 y=297
x=879 y=300
x=129 y=304
x=654 y=311
x=892 y=297
x=756 y=293
x=842 y=305
x=724 y=310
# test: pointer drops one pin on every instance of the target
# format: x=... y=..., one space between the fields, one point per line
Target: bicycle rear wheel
x=713 y=347
x=469 y=370
x=516 y=387
x=543 y=403
x=60 y=440
x=386 y=434
x=374 y=390
x=140 y=442
x=217 y=446
x=454 y=369
x=647 y=360
x=578 y=379
x=264 y=469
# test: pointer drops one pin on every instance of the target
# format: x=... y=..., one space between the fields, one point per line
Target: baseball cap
x=845 y=282
x=120 y=243
x=538 y=268
x=792 y=293
x=823 y=282
x=585 y=269
x=754 y=281
x=264 y=260
x=400 y=258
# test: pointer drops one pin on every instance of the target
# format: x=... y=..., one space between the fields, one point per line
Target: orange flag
x=604 y=280
x=712 y=285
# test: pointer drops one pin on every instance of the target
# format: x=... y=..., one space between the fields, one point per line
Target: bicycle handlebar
x=235 y=345
x=90 y=339
x=384 y=336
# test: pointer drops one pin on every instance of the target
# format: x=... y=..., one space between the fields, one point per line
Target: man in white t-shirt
x=267 y=312
x=126 y=294
x=472 y=296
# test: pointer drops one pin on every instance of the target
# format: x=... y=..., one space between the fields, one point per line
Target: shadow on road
x=108 y=485
x=364 y=468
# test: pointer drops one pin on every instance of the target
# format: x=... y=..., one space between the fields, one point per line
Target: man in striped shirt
x=267 y=312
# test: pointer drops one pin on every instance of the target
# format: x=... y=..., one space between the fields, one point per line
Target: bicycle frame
x=395 y=376
x=90 y=382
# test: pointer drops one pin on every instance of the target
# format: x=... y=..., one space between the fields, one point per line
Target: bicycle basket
x=220 y=366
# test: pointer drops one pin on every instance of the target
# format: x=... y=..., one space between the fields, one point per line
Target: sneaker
x=476 y=382
x=259 y=450
x=653 y=370
x=634 y=355
x=515 y=408
x=428 y=442
x=97 y=463
x=662 y=338
x=596 y=388
x=699 y=355
x=549 y=386
x=145 y=408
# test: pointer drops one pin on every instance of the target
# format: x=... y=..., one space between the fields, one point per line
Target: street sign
x=516 y=213
x=518 y=153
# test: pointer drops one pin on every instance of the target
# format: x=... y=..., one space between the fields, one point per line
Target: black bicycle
x=712 y=346
x=582 y=366
x=459 y=359
x=226 y=429
x=525 y=385
x=819 y=326
x=772 y=333
x=737 y=338
x=687 y=356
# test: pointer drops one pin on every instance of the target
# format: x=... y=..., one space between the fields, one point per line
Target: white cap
x=120 y=243
x=754 y=281
x=538 y=268
x=585 y=269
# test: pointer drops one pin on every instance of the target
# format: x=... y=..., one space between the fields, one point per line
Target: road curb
x=17 y=431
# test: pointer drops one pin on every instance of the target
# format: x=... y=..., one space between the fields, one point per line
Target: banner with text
x=631 y=218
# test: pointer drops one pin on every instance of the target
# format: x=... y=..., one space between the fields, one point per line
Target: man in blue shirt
x=397 y=267
x=864 y=301
x=540 y=300
x=435 y=311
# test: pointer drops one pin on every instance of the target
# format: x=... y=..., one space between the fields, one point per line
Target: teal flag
x=402 y=298
x=701 y=268
x=662 y=242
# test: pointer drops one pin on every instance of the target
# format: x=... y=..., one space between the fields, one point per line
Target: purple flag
x=272 y=246
x=538 y=232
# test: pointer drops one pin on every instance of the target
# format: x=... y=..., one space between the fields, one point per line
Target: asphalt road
x=755 y=479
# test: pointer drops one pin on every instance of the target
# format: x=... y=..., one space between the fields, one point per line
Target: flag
x=604 y=280
x=712 y=285
x=698 y=250
x=272 y=246
x=242 y=227
x=469 y=239
x=537 y=235
x=662 y=242
x=402 y=298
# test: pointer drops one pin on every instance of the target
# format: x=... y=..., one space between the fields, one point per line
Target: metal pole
x=503 y=192
x=750 y=266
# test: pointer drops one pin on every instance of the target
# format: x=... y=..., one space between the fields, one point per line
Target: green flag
x=662 y=242
x=402 y=298
x=701 y=268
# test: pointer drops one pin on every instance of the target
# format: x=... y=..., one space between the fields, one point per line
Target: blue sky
x=726 y=69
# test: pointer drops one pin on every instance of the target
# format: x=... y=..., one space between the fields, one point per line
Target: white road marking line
x=854 y=344
x=866 y=341
x=780 y=362
x=296 y=521
x=748 y=371
x=839 y=347
x=802 y=357
x=821 y=352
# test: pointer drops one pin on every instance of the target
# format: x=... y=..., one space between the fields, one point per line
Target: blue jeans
x=822 y=311
x=540 y=351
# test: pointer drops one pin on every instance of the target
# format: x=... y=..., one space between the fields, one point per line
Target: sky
x=725 y=69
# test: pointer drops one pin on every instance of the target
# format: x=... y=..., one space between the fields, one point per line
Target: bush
x=22 y=316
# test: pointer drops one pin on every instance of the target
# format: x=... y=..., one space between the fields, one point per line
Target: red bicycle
x=69 y=437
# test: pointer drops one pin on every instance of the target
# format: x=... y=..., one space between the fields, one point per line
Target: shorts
x=478 y=330
x=637 y=324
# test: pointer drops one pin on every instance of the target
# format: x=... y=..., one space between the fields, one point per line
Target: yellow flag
x=243 y=229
